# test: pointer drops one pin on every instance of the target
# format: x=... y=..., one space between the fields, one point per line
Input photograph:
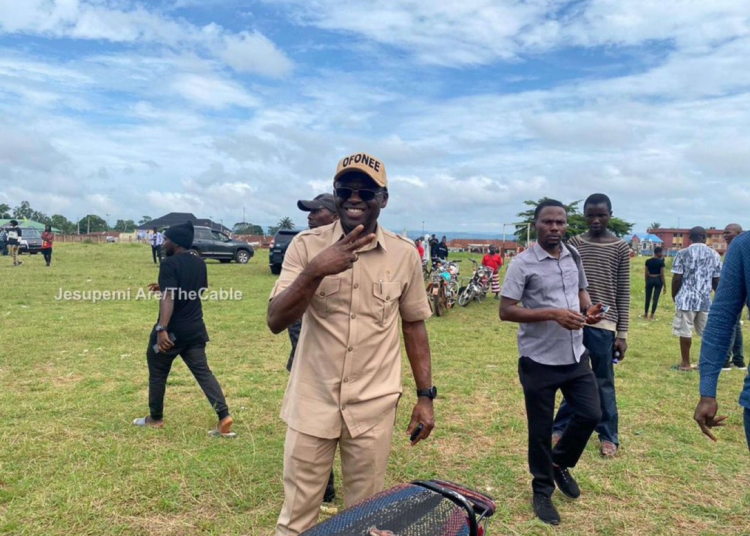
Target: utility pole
x=244 y=221
x=422 y=228
x=88 y=224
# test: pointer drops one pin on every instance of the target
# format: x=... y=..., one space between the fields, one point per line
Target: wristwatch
x=159 y=328
x=430 y=393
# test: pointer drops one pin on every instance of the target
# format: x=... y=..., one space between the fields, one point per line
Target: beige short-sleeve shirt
x=347 y=367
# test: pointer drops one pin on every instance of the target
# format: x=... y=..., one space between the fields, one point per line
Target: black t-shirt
x=654 y=265
x=14 y=236
x=187 y=274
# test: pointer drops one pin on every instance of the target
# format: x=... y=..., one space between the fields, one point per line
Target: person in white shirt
x=156 y=239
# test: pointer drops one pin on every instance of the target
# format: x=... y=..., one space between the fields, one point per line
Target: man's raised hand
x=341 y=256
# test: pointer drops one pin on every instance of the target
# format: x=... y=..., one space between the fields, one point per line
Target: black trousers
x=156 y=253
x=194 y=357
x=47 y=253
x=540 y=385
x=653 y=287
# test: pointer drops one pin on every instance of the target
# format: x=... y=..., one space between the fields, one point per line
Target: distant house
x=22 y=222
x=176 y=218
x=643 y=243
x=482 y=245
x=676 y=239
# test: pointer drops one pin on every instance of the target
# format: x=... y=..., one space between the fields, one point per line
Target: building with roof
x=176 y=218
x=677 y=239
x=644 y=243
x=482 y=245
x=23 y=222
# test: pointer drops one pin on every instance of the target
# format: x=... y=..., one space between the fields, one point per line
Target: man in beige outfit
x=351 y=281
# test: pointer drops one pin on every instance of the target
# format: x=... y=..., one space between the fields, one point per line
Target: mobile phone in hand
x=416 y=432
x=171 y=338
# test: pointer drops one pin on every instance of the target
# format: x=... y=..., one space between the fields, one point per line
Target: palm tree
x=655 y=225
x=286 y=223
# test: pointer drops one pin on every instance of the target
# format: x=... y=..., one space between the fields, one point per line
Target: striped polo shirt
x=608 y=272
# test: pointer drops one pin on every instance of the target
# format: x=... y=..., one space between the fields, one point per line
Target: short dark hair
x=598 y=199
x=547 y=203
x=658 y=249
x=697 y=232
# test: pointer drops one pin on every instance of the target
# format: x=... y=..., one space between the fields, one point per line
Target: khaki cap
x=364 y=163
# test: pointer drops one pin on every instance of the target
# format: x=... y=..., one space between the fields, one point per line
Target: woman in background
x=655 y=281
x=47 y=238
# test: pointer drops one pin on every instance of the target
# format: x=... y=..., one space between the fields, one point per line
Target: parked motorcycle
x=478 y=285
x=442 y=289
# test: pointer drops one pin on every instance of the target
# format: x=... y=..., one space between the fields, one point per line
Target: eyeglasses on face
x=364 y=195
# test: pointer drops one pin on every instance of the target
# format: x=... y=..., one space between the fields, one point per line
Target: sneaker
x=566 y=483
x=726 y=367
x=545 y=510
x=556 y=436
x=148 y=422
x=740 y=366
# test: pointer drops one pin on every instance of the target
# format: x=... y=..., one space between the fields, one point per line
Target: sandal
x=148 y=422
x=607 y=449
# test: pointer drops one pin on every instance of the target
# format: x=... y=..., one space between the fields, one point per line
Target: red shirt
x=493 y=261
x=420 y=249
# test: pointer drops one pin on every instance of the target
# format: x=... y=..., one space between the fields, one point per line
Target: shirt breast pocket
x=324 y=301
x=386 y=301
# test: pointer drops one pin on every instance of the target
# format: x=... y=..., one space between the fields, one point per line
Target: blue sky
x=131 y=109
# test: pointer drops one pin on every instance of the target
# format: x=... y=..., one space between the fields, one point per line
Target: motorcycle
x=442 y=289
x=478 y=285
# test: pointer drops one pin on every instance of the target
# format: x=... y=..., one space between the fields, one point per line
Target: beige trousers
x=307 y=465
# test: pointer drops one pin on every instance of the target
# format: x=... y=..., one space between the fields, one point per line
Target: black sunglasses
x=364 y=195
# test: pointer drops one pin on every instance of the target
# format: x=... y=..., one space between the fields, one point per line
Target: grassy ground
x=73 y=375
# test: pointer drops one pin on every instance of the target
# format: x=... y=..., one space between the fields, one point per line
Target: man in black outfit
x=322 y=211
x=549 y=279
x=180 y=330
x=441 y=250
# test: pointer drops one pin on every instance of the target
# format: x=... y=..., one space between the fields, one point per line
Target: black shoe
x=330 y=495
x=545 y=510
x=566 y=483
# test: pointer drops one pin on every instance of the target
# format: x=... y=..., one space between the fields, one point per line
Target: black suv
x=278 y=249
x=31 y=241
x=212 y=244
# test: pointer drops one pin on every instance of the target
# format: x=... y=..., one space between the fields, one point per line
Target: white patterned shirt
x=698 y=265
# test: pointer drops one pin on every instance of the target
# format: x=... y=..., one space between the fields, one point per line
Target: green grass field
x=73 y=376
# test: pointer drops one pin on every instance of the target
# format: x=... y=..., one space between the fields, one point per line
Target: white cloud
x=90 y=20
x=212 y=91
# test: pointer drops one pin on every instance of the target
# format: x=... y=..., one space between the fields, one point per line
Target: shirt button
x=346 y=380
x=322 y=293
x=350 y=349
x=343 y=408
x=356 y=285
x=387 y=297
x=354 y=315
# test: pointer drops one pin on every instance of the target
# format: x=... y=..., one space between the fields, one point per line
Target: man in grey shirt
x=548 y=278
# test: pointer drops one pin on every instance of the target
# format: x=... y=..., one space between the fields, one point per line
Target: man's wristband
x=430 y=393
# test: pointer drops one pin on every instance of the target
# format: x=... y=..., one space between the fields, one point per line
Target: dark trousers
x=736 y=353
x=600 y=344
x=194 y=357
x=156 y=253
x=747 y=426
x=653 y=288
x=4 y=249
x=47 y=253
x=540 y=385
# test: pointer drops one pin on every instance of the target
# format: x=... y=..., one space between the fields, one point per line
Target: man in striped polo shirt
x=606 y=260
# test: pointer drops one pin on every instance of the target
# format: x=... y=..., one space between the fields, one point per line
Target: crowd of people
x=350 y=290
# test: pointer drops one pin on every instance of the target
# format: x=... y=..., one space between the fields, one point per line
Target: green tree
x=59 y=221
x=4 y=211
x=286 y=223
x=576 y=221
x=92 y=223
x=245 y=228
x=144 y=220
x=24 y=211
x=655 y=225
x=125 y=226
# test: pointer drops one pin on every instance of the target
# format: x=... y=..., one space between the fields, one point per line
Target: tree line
x=93 y=223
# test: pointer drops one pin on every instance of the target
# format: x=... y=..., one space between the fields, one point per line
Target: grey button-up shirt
x=540 y=281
